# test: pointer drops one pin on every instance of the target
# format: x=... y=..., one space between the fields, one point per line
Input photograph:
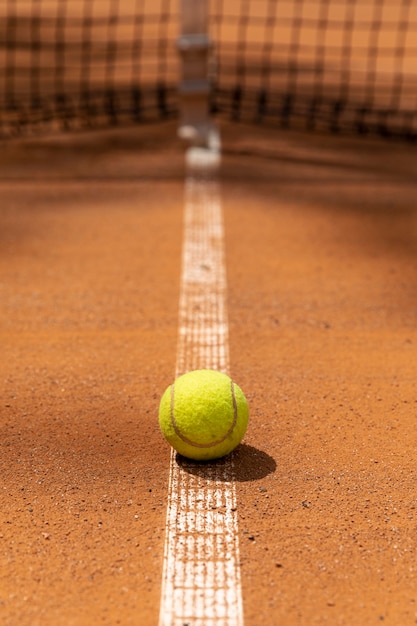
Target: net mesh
x=335 y=64
x=338 y=64
x=73 y=63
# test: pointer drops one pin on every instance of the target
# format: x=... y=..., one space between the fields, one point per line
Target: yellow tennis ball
x=203 y=415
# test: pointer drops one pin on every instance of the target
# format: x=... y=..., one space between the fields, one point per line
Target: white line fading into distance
x=201 y=577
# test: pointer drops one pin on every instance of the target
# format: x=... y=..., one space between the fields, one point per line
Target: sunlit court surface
x=279 y=246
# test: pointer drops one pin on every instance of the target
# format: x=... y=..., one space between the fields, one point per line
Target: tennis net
x=334 y=64
x=77 y=63
x=341 y=65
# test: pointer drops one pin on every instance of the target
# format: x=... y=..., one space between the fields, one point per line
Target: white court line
x=201 y=578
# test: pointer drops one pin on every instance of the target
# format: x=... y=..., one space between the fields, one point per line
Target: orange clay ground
x=321 y=247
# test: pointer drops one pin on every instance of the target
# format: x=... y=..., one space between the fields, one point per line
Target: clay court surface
x=321 y=241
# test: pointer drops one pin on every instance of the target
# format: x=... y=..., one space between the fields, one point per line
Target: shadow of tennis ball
x=244 y=464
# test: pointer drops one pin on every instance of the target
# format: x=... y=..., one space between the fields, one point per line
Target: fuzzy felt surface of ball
x=203 y=415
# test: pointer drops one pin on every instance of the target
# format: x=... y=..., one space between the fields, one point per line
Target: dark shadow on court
x=248 y=464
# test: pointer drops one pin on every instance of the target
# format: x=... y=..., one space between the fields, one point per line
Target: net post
x=194 y=46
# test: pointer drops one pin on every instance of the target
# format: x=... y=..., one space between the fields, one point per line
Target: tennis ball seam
x=203 y=445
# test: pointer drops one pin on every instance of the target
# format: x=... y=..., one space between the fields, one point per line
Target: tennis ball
x=203 y=415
